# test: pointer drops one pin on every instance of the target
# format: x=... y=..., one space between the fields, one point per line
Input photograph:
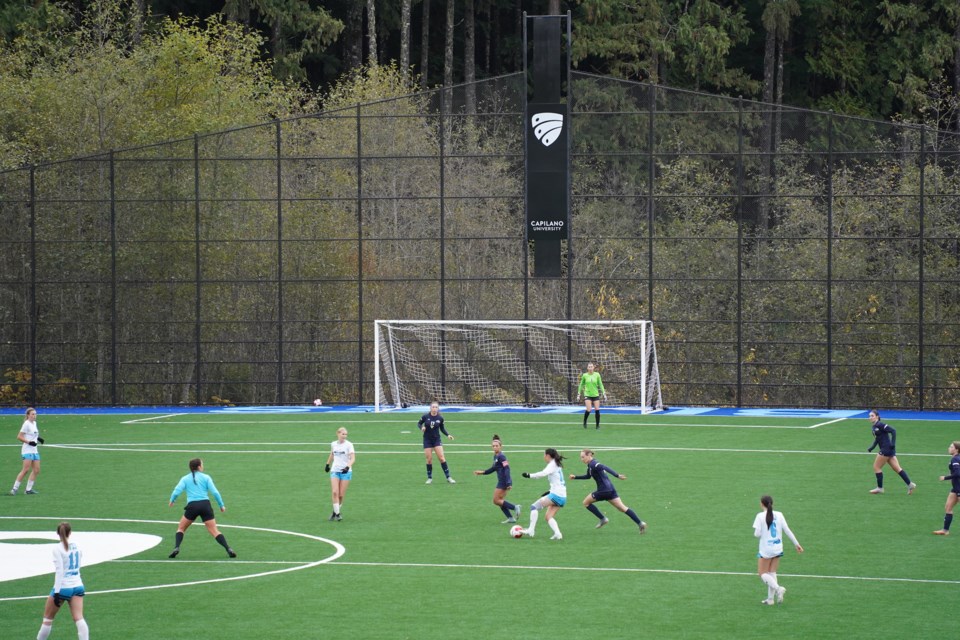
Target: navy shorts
x=888 y=453
x=199 y=509
x=432 y=444
x=604 y=495
x=504 y=486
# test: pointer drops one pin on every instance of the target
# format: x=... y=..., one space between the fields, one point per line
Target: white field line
x=501 y=567
x=823 y=424
x=169 y=415
x=474 y=449
x=223 y=423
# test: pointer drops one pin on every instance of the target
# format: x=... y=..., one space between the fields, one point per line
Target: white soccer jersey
x=31 y=433
x=771 y=539
x=554 y=473
x=67 y=563
x=341 y=454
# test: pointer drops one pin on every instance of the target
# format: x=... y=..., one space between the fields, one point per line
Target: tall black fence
x=787 y=257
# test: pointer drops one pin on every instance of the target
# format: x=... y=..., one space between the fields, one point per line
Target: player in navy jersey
x=197 y=484
x=885 y=437
x=431 y=424
x=605 y=490
x=67 y=586
x=504 y=482
x=954 y=495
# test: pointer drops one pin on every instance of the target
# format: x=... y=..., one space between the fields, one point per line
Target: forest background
x=788 y=257
x=72 y=72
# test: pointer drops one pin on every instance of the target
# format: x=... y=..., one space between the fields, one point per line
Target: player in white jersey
x=770 y=526
x=340 y=467
x=554 y=499
x=30 y=437
x=67 y=586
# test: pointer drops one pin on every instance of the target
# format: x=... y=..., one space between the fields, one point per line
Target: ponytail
x=63 y=531
x=553 y=453
x=194 y=467
x=767 y=502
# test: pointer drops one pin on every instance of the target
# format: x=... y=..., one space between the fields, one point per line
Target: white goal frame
x=404 y=351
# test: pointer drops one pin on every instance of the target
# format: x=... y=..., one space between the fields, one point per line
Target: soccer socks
x=223 y=542
x=770 y=579
x=446 y=469
x=16 y=485
x=947 y=521
x=45 y=629
x=508 y=508
x=596 y=417
x=554 y=526
x=906 y=478
x=179 y=539
x=592 y=508
x=429 y=471
x=336 y=508
x=633 y=516
x=880 y=480
x=29 y=485
x=83 y=631
x=534 y=516
x=586 y=414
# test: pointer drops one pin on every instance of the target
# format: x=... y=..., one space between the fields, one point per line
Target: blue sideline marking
x=813 y=414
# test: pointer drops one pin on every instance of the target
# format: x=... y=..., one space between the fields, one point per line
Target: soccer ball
x=516 y=531
x=317 y=402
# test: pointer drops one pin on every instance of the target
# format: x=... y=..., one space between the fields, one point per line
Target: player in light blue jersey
x=198 y=485
x=554 y=499
x=770 y=526
x=30 y=437
x=340 y=467
x=67 y=586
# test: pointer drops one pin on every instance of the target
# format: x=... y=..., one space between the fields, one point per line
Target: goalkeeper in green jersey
x=591 y=387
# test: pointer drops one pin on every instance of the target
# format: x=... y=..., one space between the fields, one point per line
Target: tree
x=405 y=37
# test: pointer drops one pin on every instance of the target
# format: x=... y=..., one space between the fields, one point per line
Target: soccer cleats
x=911 y=487
x=231 y=553
x=768 y=601
x=876 y=491
x=13 y=492
x=451 y=480
x=30 y=492
x=643 y=527
x=781 y=591
x=602 y=522
x=941 y=532
x=429 y=481
x=174 y=553
x=557 y=536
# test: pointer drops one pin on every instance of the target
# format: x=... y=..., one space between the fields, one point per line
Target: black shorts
x=200 y=508
x=593 y=398
x=604 y=495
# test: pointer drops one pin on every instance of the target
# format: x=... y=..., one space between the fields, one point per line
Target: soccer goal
x=513 y=362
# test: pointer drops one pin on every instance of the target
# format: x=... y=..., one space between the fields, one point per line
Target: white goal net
x=513 y=362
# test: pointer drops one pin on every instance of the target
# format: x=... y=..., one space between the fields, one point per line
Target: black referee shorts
x=200 y=508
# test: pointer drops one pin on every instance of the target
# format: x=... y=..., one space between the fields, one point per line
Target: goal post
x=513 y=362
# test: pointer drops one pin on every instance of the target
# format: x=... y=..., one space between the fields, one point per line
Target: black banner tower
x=546 y=65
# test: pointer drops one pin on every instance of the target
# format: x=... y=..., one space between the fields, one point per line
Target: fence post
x=113 y=281
x=447 y=93
x=33 y=285
x=830 y=260
x=359 y=263
x=197 y=329
x=921 y=256
x=279 y=140
x=740 y=251
x=651 y=191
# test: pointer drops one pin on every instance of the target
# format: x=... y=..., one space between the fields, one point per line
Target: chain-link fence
x=787 y=257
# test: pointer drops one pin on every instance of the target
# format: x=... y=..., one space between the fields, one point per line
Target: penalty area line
x=823 y=424
x=702 y=572
x=137 y=420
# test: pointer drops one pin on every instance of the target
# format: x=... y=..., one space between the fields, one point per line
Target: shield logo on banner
x=547 y=127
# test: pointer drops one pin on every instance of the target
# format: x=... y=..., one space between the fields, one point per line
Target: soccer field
x=416 y=561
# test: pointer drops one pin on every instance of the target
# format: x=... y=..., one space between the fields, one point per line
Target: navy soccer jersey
x=954 y=474
x=433 y=427
x=502 y=468
x=885 y=437
x=599 y=472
